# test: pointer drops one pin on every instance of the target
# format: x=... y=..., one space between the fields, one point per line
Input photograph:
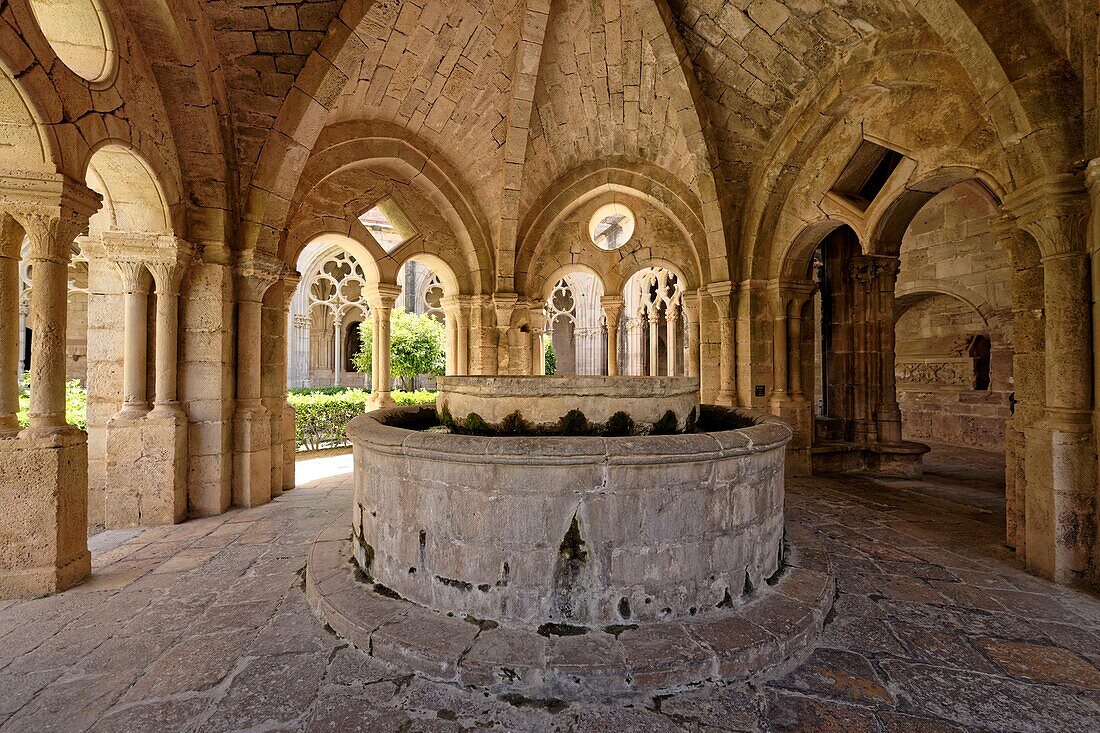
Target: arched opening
x=653 y=337
x=326 y=309
x=576 y=330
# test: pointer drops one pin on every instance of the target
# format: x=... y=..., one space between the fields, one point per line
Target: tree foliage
x=551 y=358
x=416 y=346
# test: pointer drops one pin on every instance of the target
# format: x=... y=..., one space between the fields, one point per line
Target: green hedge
x=323 y=414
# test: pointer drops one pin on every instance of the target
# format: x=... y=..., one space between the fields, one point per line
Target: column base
x=44 y=535
x=251 y=457
x=380 y=400
x=1060 y=501
x=146 y=469
x=799 y=413
x=903 y=460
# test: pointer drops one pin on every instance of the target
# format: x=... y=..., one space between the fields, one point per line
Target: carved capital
x=868 y=269
x=134 y=275
x=1054 y=211
x=612 y=310
x=381 y=297
x=693 y=304
x=723 y=294
x=167 y=277
x=52 y=209
x=255 y=274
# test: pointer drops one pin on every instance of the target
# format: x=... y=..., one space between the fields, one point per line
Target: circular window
x=80 y=34
x=612 y=226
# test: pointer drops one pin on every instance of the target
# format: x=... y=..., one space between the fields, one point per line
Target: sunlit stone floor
x=204 y=627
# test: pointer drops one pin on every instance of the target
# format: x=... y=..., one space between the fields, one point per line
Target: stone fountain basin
x=543 y=400
x=584 y=531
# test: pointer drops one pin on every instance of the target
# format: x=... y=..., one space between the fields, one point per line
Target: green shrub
x=321 y=419
x=323 y=413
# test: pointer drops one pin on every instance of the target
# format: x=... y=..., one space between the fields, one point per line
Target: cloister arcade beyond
x=877 y=220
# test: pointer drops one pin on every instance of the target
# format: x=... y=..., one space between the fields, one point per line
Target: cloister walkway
x=204 y=627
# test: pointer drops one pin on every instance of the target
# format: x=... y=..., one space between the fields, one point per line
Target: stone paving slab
x=758 y=632
x=992 y=649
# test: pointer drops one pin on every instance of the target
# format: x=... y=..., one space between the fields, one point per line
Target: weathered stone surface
x=615 y=531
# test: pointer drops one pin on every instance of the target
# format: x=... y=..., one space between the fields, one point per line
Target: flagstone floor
x=204 y=627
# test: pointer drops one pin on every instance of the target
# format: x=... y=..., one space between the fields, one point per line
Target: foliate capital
x=1054 y=211
x=52 y=209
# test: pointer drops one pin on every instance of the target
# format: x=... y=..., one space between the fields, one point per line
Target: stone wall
x=954 y=285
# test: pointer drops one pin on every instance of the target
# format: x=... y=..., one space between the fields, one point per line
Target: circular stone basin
x=544 y=400
x=562 y=532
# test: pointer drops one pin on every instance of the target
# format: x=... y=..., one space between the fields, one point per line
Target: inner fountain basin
x=568 y=531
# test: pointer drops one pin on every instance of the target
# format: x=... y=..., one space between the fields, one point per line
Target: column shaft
x=337 y=350
x=49 y=320
x=167 y=355
x=382 y=336
x=9 y=344
x=672 y=322
x=248 y=352
x=654 y=354
x=794 y=354
x=135 y=364
x=779 y=358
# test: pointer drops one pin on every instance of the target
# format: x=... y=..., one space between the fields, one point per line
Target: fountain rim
x=371 y=431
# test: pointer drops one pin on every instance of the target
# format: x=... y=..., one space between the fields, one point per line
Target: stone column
x=888 y=412
x=338 y=348
x=166 y=278
x=692 y=306
x=537 y=321
x=252 y=423
x=146 y=451
x=778 y=306
x=672 y=325
x=49 y=257
x=135 y=360
x=722 y=294
x=287 y=416
x=654 y=352
x=1028 y=370
x=382 y=299
x=11 y=239
x=613 y=313
x=797 y=410
x=44 y=470
x=1060 y=454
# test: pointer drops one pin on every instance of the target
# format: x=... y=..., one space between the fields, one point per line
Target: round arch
x=134 y=197
x=353 y=145
x=439 y=267
x=616 y=178
x=887 y=223
x=551 y=280
x=916 y=292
